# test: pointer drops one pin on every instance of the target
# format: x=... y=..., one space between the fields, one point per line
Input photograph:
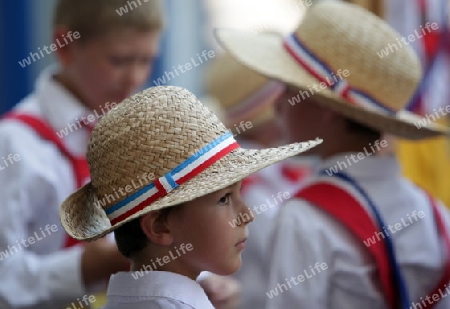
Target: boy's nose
x=136 y=76
x=249 y=216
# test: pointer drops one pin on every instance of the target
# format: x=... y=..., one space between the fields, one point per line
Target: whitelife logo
x=411 y=38
x=395 y=228
x=430 y=118
x=270 y=203
x=121 y=193
x=87 y=300
x=356 y=158
x=49 y=229
x=313 y=271
x=340 y=74
x=205 y=56
x=53 y=47
x=162 y=261
x=91 y=119
x=10 y=160
x=124 y=9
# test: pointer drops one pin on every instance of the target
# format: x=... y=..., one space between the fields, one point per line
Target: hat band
x=325 y=74
x=256 y=101
x=190 y=168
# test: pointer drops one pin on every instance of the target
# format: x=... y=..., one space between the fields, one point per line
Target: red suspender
x=446 y=238
x=347 y=210
x=79 y=164
x=249 y=181
x=294 y=173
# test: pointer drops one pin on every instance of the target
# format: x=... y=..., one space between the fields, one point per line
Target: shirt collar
x=159 y=284
x=366 y=166
x=60 y=106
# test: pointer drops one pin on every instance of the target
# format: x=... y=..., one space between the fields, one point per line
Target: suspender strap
x=398 y=276
x=347 y=210
x=79 y=164
x=446 y=240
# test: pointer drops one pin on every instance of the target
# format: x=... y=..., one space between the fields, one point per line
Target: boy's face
x=306 y=120
x=207 y=223
x=110 y=68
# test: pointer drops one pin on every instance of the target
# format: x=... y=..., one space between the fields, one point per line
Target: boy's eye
x=147 y=60
x=116 y=60
x=225 y=199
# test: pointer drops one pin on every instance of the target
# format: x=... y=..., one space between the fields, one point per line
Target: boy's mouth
x=241 y=244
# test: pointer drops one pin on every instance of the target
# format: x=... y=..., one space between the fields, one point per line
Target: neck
x=349 y=143
x=64 y=80
x=164 y=259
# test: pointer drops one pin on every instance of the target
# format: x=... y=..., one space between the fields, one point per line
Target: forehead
x=217 y=193
x=128 y=39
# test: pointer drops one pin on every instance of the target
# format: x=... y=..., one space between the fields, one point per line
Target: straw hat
x=335 y=36
x=158 y=148
x=243 y=94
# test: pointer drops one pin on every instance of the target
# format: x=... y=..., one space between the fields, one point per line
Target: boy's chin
x=230 y=267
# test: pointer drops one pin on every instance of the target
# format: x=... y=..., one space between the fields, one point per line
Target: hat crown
x=345 y=36
x=226 y=73
x=145 y=137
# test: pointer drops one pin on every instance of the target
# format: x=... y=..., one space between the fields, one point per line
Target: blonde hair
x=96 y=18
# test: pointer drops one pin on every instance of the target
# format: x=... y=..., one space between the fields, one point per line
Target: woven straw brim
x=83 y=219
x=265 y=54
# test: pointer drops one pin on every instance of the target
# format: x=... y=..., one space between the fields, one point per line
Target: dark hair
x=130 y=238
x=361 y=129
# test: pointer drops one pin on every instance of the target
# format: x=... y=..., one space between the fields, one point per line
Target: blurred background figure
x=102 y=58
x=426 y=163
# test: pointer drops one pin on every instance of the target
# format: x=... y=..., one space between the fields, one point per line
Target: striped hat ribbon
x=317 y=68
x=190 y=168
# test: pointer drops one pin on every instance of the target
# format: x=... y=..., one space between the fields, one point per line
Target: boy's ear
x=63 y=50
x=329 y=116
x=155 y=227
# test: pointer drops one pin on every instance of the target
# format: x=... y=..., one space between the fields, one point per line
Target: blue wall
x=15 y=41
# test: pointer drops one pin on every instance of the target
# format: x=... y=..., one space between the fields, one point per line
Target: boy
x=359 y=235
x=102 y=58
x=182 y=171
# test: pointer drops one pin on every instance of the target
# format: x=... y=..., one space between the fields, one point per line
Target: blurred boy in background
x=334 y=244
x=104 y=54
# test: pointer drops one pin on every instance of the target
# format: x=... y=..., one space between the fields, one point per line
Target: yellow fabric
x=100 y=301
x=427 y=163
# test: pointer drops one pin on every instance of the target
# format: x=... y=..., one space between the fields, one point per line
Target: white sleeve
x=29 y=279
x=298 y=260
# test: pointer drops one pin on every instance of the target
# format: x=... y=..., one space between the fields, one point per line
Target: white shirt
x=155 y=290
x=37 y=274
x=305 y=235
x=270 y=184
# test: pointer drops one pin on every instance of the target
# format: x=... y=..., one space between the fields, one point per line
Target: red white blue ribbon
x=256 y=101
x=317 y=68
x=190 y=168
